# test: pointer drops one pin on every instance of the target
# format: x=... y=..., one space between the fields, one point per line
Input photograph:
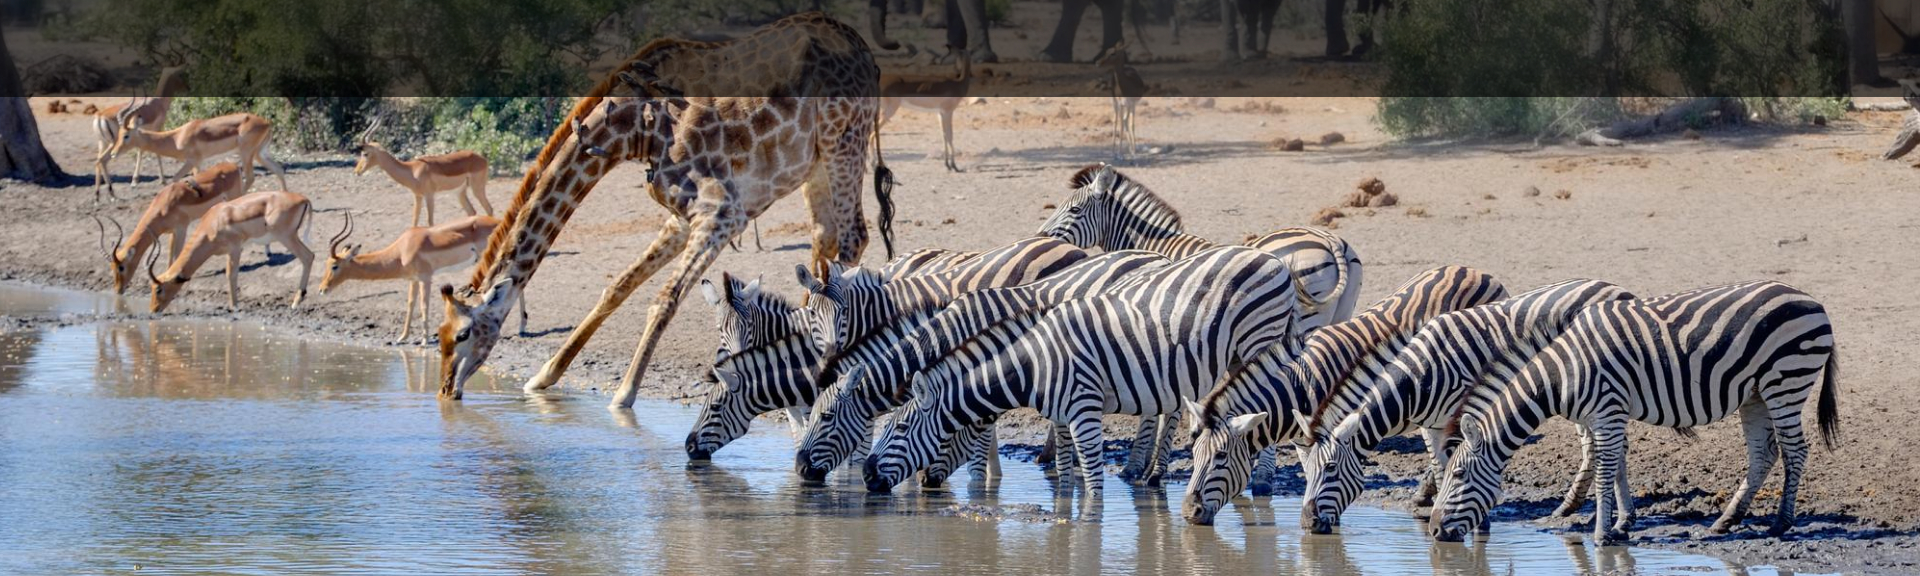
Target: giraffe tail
x=883 y=192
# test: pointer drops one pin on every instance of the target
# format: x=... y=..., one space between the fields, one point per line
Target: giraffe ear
x=807 y=280
x=710 y=292
x=1244 y=423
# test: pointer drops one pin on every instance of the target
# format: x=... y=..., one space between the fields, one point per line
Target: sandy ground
x=1813 y=207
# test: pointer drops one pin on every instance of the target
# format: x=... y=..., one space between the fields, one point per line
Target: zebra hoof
x=1779 y=528
x=1261 y=489
x=1611 y=538
x=1722 y=526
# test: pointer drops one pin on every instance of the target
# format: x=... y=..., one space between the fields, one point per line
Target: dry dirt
x=1655 y=217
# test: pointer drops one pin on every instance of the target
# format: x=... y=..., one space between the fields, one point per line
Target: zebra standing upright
x=769 y=353
x=1255 y=407
x=1423 y=387
x=1110 y=211
x=1134 y=349
x=1682 y=360
x=840 y=423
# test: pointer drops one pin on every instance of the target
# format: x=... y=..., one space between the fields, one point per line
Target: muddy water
x=195 y=447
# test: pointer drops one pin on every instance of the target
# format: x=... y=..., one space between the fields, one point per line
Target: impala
x=939 y=94
x=151 y=112
x=200 y=139
x=170 y=212
x=1128 y=88
x=463 y=172
x=228 y=227
x=415 y=256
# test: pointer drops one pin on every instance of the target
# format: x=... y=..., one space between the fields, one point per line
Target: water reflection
x=208 y=447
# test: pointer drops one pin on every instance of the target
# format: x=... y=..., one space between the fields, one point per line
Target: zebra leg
x=1143 y=442
x=1265 y=470
x=1436 y=465
x=1583 y=479
x=1162 y=450
x=1087 y=439
x=1610 y=438
x=796 y=420
x=1758 y=426
x=1792 y=439
x=1622 y=498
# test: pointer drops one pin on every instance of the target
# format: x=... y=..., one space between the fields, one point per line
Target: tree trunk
x=22 y=156
x=1674 y=119
x=1862 y=56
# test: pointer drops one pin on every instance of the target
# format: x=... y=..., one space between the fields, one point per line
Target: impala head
x=164 y=289
x=1222 y=460
x=1470 y=485
x=1114 y=57
x=910 y=441
x=1331 y=465
x=842 y=418
x=122 y=264
x=365 y=161
x=338 y=263
x=468 y=335
x=834 y=303
x=126 y=122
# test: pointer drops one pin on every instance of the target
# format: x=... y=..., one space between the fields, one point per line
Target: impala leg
x=418 y=200
x=138 y=157
x=267 y=160
x=461 y=195
x=176 y=243
x=672 y=240
x=305 y=256
x=946 y=129
x=477 y=185
x=710 y=232
x=100 y=174
x=233 y=278
x=430 y=200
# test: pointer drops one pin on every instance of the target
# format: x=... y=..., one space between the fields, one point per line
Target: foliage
x=508 y=131
x=1493 y=116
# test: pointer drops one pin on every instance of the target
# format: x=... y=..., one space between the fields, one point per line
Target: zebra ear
x=806 y=278
x=1244 y=423
x=1301 y=419
x=712 y=294
x=1193 y=412
x=751 y=289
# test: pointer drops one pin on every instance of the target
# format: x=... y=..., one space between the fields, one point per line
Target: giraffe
x=719 y=152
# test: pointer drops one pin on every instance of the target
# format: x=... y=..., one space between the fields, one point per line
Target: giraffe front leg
x=671 y=241
x=709 y=237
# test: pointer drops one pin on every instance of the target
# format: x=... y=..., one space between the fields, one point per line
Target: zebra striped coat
x=1110 y=211
x=768 y=358
x=1423 y=386
x=883 y=365
x=1256 y=407
x=1683 y=360
x=1134 y=349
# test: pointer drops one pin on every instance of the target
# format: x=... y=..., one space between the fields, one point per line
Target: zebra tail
x=1828 y=413
x=883 y=192
x=1338 y=249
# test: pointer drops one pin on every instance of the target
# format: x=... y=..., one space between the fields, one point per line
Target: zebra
x=1248 y=411
x=1422 y=387
x=840 y=423
x=1681 y=360
x=768 y=356
x=1134 y=349
x=1111 y=211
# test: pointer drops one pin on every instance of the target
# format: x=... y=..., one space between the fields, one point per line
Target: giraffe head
x=467 y=337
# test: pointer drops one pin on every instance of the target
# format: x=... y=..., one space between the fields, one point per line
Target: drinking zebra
x=1111 y=211
x=1422 y=387
x=840 y=424
x=1682 y=360
x=1256 y=407
x=1135 y=349
x=769 y=354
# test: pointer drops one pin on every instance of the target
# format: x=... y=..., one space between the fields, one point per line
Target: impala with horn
x=171 y=212
x=415 y=256
x=143 y=113
x=228 y=227
x=464 y=172
x=197 y=140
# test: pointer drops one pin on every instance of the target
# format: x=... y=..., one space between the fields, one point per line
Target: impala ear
x=712 y=294
x=1244 y=423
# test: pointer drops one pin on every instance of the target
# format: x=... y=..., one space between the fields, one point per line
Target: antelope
x=415 y=256
x=151 y=112
x=203 y=138
x=464 y=172
x=170 y=212
x=940 y=94
x=228 y=227
x=1128 y=89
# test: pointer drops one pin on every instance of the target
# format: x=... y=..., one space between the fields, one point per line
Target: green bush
x=508 y=131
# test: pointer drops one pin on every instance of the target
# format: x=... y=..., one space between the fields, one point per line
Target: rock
x=1417 y=212
x=1690 y=134
x=1326 y=216
x=90 y=110
x=1383 y=200
x=1049 y=206
x=1371 y=185
x=1489 y=197
x=1357 y=199
x=1332 y=138
x=56 y=107
x=1531 y=191
x=1563 y=194
x=1819 y=120
x=1295 y=145
x=1203 y=103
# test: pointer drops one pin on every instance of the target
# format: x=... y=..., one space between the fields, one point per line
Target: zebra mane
x=1213 y=406
x=1142 y=202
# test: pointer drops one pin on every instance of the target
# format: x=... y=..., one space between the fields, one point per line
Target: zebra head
x=1109 y=211
x=840 y=304
x=1222 y=460
x=841 y=420
x=1331 y=464
x=913 y=437
x=726 y=414
x=1470 y=486
x=746 y=317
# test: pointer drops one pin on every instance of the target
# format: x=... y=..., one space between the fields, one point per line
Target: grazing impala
x=940 y=94
x=148 y=113
x=198 y=140
x=463 y=172
x=415 y=256
x=170 y=212
x=230 y=226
